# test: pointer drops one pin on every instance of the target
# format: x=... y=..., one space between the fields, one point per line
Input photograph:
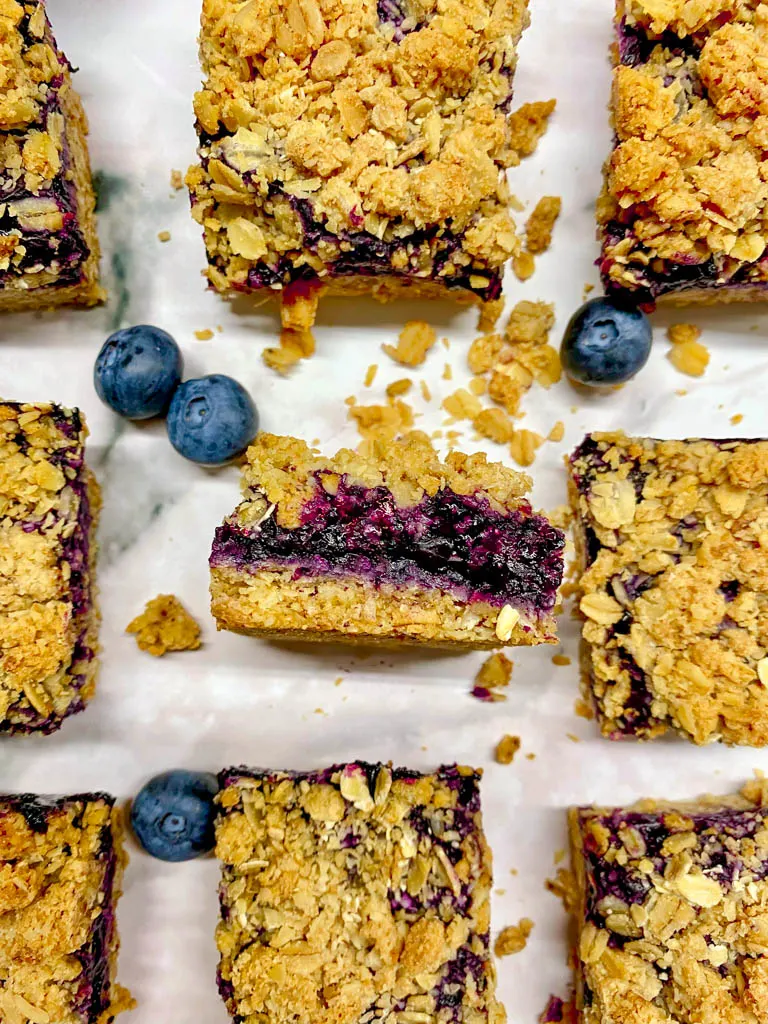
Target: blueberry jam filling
x=447 y=541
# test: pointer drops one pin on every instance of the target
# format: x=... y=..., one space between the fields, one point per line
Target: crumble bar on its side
x=61 y=864
x=683 y=210
x=49 y=251
x=48 y=616
x=672 y=537
x=356 y=893
x=671 y=911
x=392 y=547
x=356 y=147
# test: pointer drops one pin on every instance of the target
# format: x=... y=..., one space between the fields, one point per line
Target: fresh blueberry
x=605 y=343
x=137 y=371
x=172 y=815
x=211 y=419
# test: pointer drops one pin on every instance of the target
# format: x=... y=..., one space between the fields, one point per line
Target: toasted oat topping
x=29 y=63
x=165 y=625
x=334 y=126
x=672 y=538
x=684 y=203
x=284 y=470
x=670 y=911
x=56 y=888
x=356 y=893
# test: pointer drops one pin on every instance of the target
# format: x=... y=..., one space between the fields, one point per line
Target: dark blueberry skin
x=172 y=815
x=605 y=343
x=137 y=372
x=212 y=419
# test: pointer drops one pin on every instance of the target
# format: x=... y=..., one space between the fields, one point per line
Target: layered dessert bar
x=48 y=617
x=670 y=908
x=682 y=214
x=49 y=252
x=61 y=863
x=355 y=149
x=394 y=547
x=672 y=539
x=355 y=894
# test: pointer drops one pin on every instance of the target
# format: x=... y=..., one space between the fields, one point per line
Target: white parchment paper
x=238 y=700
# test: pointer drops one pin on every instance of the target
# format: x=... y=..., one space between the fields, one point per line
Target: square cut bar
x=355 y=894
x=356 y=147
x=671 y=902
x=392 y=547
x=48 y=616
x=61 y=864
x=49 y=252
x=683 y=211
x=672 y=537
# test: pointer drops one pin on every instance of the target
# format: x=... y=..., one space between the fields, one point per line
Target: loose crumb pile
x=414 y=342
x=506 y=749
x=494 y=674
x=165 y=625
x=687 y=354
x=514 y=938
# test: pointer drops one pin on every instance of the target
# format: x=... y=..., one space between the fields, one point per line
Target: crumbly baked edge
x=86 y=292
x=269 y=603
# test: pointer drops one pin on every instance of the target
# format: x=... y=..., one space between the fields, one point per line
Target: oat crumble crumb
x=177 y=180
x=478 y=385
x=541 y=223
x=506 y=749
x=426 y=394
x=557 y=433
x=573 y=737
x=495 y=425
x=489 y=315
x=523 y=265
x=462 y=404
x=414 y=342
x=164 y=236
x=514 y=938
x=524 y=445
x=736 y=419
x=399 y=387
x=530 y=757
x=678 y=333
x=165 y=625
x=205 y=334
x=561 y=660
x=447 y=372
x=689 y=357
x=338 y=680
x=495 y=672
x=527 y=124
x=370 y=375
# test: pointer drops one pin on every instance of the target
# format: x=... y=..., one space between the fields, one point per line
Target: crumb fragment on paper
x=165 y=625
x=514 y=938
x=506 y=749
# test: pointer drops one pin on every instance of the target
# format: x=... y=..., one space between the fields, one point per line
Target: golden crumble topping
x=676 y=934
x=334 y=141
x=47 y=624
x=354 y=893
x=284 y=470
x=60 y=868
x=674 y=591
x=685 y=196
x=165 y=625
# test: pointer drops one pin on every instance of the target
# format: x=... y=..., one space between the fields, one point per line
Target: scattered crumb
x=513 y=872
x=370 y=375
x=560 y=856
x=204 y=335
x=320 y=711
x=489 y=315
x=679 y=333
x=219 y=328
x=163 y=236
x=478 y=385
x=296 y=343
x=523 y=446
x=557 y=433
x=177 y=180
x=587 y=289
x=165 y=625
x=573 y=737
x=415 y=340
x=338 y=680
x=426 y=394
x=500 y=892
x=563 y=885
x=687 y=354
x=523 y=265
x=399 y=387
x=527 y=124
x=514 y=938
x=523 y=356
x=540 y=224
x=736 y=419
x=462 y=404
x=448 y=372
x=484 y=352
x=506 y=749
x=583 y=709
x=445 y=342
x=350 y=400
x=682 y=392
x=561 y=660
x=382 y=422
x=494 y=424
x=494 y=674
x=530 y=757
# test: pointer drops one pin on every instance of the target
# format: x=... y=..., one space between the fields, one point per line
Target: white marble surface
x=238 y=700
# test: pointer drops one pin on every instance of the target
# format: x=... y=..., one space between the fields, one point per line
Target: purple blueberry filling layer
x=448 y=542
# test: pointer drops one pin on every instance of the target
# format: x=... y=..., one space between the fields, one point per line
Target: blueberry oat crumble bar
x=671 y=911
x=48 y=617
x=683 y=211
x=672 y=538
x=360 y=893
x=395 y=547
x=61 y=863
x=49 y=252
x=356 y=146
